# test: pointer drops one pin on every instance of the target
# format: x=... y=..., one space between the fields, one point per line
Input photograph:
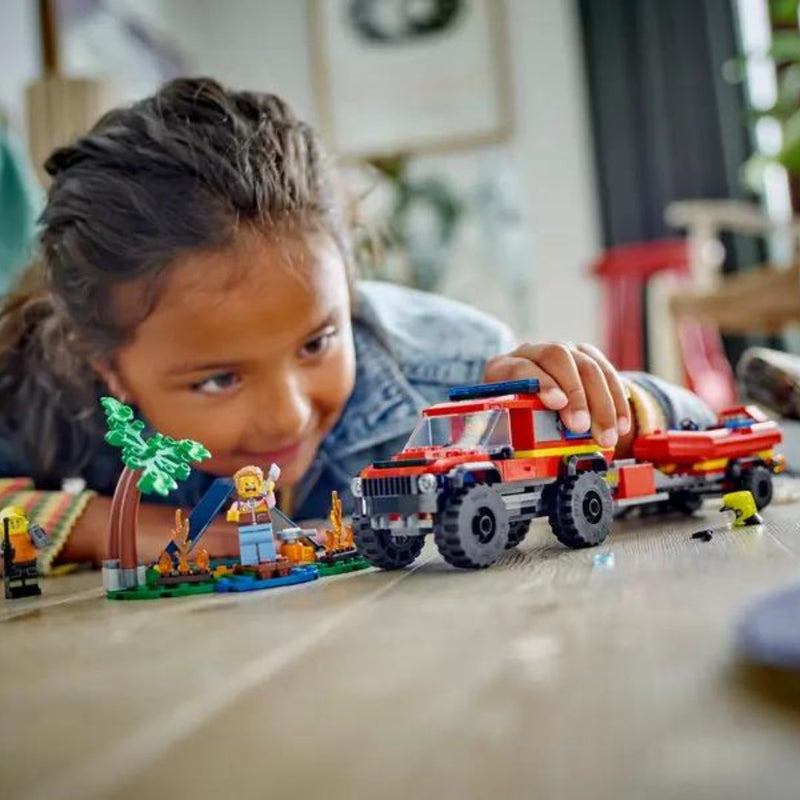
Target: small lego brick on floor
x=248 y=583
x=704 y=535
x=603 y=560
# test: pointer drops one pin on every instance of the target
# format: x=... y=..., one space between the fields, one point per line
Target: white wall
x=19 y=57
x=553 y=147
x=251 y=44
x=264 y=44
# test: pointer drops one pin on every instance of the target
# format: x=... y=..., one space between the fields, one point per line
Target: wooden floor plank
x=549 y=675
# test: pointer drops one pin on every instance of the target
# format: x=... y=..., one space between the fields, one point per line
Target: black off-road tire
x=758 y=481
x=685 y=501
x=472 y=529
x=583 y=510
x=517 y=532
x=382 y=549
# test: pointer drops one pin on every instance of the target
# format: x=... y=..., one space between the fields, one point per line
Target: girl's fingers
x=615 y=386
x=558 y=361
x=578 y=381
x=599 y=397
x=514 y=368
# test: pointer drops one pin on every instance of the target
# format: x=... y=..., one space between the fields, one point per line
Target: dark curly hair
x=180 y=170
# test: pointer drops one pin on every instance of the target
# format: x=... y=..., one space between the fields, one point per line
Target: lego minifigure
x=256 y=496
x=744 y=508
x=21 y=540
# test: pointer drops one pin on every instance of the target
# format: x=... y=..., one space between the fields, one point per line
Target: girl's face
x=249 y=350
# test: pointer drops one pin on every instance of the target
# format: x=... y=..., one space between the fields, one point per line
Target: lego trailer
x=477 y=469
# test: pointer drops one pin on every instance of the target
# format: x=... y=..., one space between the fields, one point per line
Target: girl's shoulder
x=435 y=340
x=411 y=348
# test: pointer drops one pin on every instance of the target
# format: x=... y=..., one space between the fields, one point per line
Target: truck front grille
x=387 y=487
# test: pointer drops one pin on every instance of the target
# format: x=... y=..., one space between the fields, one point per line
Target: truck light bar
x=530 y=386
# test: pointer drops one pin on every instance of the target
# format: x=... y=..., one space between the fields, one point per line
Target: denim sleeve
x=677 y=403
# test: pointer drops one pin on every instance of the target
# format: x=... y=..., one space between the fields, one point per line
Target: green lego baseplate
x=156 y=592
x=340 y=567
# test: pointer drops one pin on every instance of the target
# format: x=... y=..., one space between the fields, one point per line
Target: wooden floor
x=547 y=676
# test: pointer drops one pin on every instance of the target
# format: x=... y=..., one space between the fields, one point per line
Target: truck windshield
x=479 y=430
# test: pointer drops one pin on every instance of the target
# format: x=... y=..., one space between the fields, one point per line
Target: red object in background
x=624 y=272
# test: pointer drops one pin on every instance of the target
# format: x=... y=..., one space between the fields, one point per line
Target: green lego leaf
x=154 y=481
x=116 y=413
x=162 y=460
x=115 y=437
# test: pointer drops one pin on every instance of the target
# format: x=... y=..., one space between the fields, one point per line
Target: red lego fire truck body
x=479 y=468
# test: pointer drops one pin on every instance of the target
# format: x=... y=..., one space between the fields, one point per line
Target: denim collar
x=383 y=404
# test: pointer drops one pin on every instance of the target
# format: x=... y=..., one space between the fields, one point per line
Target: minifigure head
x=17 y=520
x=249 y=482
x=193 y=255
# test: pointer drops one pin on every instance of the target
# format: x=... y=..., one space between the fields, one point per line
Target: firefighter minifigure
x=744 y=508
x=21 y=541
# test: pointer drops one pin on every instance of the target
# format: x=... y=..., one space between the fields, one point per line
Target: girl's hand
x=576 y=380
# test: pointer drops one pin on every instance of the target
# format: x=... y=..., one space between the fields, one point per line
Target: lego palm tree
x=153 y=464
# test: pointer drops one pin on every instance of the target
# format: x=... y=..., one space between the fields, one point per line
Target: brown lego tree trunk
x=122 y=520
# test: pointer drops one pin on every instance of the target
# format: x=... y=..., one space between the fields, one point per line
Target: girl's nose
x=282 y=414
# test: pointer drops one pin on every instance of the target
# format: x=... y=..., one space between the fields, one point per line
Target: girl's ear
x=108 y=373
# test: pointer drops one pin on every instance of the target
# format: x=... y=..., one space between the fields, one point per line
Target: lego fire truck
x=477 y=469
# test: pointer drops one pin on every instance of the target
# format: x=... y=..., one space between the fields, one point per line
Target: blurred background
x=616 y=171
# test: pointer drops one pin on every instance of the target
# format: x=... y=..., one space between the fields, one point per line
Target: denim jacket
x=410 y=348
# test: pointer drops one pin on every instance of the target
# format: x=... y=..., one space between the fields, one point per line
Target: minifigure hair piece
x=256 y=472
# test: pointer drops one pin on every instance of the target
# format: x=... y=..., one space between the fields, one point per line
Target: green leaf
x=155 y=481
x=161 y=459
x=181 y=472
x=193 y=451
x=115 y=437
x=783 y=12
x=116 y=413
x=789 y=155
x=785 y=47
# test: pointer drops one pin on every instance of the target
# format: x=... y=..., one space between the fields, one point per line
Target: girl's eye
x=219 y=383
x=319 y=345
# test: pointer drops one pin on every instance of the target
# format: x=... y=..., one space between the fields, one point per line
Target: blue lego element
x=248 y=554
x=207 y=508
x=478 y=390
x=735 y=424
x=246 y=583
x=256 y=544
x=568 y=434
x=603 y=560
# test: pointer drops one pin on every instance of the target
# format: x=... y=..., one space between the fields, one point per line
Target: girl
x=195 y=265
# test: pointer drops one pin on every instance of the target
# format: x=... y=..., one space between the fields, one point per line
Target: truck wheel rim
x=592 y=508
x=484 y=525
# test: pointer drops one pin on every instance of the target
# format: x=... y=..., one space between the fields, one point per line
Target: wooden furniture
x=60 y=108
x=545 y=677
x=629 y=275
x=764 y=299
